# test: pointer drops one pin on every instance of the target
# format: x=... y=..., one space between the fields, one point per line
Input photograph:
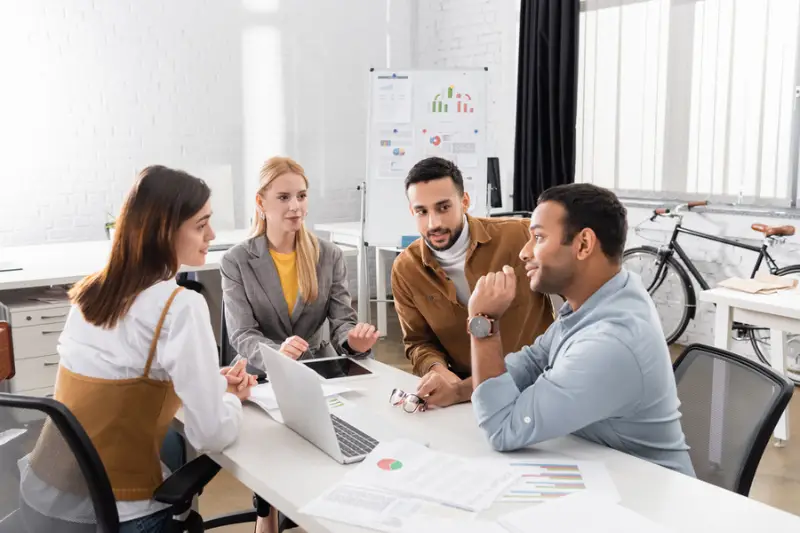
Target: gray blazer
x=256 y=310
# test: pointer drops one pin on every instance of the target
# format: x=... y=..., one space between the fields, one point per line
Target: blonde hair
x=306 y=244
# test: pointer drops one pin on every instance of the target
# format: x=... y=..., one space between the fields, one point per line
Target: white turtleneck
x=452 y=262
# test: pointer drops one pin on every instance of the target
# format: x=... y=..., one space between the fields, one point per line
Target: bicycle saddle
x=777 y=231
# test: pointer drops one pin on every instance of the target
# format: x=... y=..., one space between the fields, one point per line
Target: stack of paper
x=762 y=284
x=586 y=511
x=409 y=468
x=403 y=485
x=264 y=396
x=379 y=510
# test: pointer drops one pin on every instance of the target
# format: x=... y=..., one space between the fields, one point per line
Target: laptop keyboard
x=352 y=442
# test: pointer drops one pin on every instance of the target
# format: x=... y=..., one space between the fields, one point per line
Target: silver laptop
x=304 y=409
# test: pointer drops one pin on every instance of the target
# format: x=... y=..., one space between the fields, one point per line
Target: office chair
x=86 y=492
x=495 y=190
x=755 y=396
x=226 y=351
x=190 y=282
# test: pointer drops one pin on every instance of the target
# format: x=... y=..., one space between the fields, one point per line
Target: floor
x=777 y=481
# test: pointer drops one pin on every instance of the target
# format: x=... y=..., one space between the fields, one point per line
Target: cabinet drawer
x=44 y=392
x=36 y=373
x=35 y=341
x=36 y=317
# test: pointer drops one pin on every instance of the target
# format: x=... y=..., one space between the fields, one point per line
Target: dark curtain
x=547 y=96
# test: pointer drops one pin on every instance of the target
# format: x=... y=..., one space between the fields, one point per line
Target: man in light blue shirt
x=602 y=371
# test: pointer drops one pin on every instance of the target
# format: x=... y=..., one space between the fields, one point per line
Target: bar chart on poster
x=416 y=114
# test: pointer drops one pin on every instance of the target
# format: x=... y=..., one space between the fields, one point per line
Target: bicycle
x=663 y=265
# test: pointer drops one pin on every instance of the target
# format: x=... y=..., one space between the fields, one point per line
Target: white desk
x=780 y=312
x=288 y=471
x=44 y=265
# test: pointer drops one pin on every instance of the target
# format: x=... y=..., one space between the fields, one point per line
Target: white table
x=349 y=234
x=780 y=312
x=44 y=265
x=288 y=471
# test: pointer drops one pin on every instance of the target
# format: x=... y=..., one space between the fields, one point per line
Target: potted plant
x=110 y=224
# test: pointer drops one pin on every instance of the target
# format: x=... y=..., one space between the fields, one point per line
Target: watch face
x=480 y=327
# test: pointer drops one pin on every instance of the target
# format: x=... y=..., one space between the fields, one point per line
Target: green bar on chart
x=450 y=92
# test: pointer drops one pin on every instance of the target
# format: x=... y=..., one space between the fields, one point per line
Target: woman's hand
x=362 y=337
x=239 y=381
x=294 y=347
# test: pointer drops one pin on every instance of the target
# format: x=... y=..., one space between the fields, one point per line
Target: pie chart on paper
x=390 y=464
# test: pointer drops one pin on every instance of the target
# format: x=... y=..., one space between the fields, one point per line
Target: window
x=689 y=98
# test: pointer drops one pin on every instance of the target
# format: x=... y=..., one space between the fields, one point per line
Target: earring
x=261 y=215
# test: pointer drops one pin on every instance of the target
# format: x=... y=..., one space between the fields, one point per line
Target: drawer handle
x=51 y=363
x=45 y=317
x=51 y=332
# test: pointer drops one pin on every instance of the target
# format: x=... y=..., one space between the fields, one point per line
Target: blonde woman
x=282 y=284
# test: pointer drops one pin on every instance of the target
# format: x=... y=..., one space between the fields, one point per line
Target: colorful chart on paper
x=543 y=481
x=389 y=464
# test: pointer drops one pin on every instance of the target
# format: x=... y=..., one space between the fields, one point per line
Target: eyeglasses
x=410 y=402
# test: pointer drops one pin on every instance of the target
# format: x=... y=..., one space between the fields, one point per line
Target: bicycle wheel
x=759 y=338
x=672 y=293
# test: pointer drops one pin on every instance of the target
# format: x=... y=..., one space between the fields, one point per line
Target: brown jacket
x=434 y=323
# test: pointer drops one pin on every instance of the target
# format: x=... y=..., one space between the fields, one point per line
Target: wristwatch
x=481 y=326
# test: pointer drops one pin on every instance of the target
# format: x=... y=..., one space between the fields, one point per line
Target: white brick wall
x=475 y=34
x=94 y=91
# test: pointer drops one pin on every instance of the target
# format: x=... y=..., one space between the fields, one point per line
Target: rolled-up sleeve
x=593 y=380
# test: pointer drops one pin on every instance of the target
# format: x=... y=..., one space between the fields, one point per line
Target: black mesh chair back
x=730 y=406
x=226 y=351
x=51 y=477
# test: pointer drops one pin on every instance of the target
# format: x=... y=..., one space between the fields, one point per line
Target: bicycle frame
x=674 y=246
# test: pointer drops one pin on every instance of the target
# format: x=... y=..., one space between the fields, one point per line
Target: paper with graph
x=408 y=468
x=543 y=479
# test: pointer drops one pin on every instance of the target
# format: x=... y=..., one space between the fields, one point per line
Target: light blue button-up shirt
x=602 y=373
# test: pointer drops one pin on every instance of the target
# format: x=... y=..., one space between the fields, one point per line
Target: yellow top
x=286 y=264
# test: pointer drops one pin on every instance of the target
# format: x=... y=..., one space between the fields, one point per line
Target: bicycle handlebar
x=665 y=211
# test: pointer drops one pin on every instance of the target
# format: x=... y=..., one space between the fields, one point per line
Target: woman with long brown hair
x=136 y=347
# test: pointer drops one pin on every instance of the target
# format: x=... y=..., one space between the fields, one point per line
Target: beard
x=550 y=280
x=454 y=235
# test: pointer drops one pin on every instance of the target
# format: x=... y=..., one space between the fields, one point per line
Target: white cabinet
x=37 y=320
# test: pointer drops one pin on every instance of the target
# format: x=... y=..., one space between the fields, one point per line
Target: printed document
x=408 y=468
x=584 y=511
x=264 y=396
x=382 y=511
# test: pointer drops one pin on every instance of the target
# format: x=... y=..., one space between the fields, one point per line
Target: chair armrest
x=187 y=481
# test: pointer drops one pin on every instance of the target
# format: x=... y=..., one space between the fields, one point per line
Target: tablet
x=337 y=368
